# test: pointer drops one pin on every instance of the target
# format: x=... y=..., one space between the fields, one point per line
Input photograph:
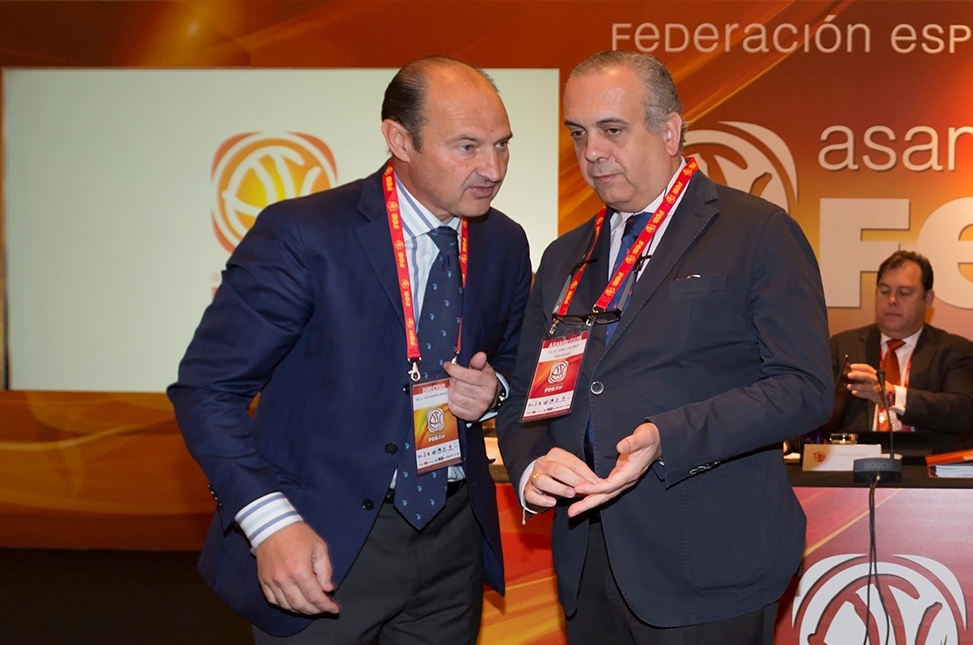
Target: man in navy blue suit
x=337 y=520
x=696 y=317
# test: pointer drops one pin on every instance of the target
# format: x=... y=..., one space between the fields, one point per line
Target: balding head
x=660 y=98
x=447 y=130
x=406 y=94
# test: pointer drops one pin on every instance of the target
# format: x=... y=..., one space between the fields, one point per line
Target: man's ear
x=673 y=132
x=930 y=298
x=397 y=139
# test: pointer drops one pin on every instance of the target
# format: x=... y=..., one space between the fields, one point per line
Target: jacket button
x=597 y=387
x=368 y=504
x=391 y=448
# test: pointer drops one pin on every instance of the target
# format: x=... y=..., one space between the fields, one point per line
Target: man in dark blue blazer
x=675 y=521
x=307 y=541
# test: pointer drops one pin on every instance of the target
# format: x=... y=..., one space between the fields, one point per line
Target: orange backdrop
x=110 y=470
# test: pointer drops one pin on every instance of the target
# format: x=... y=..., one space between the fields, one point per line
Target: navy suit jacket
x=309 y=316
x=939 y=403
x=724 y=346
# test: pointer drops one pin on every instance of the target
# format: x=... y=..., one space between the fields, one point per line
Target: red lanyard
x=643 y=241
x=402 y=267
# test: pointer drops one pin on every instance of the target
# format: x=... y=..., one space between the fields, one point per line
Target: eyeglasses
x=589 y=319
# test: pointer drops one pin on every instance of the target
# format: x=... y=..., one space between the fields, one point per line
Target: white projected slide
x=118 y=207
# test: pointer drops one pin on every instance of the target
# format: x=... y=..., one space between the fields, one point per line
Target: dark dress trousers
x=309 y=316
x=724 y=346
x=939 y=403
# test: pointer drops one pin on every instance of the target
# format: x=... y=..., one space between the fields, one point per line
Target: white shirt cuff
x=506 y=388
x=898 y=405
x=524 y=479
x=265 y=516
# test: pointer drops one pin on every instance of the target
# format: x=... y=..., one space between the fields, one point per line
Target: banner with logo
x=855 y=116
x=924 y=565
x=159 y=175
x=923 y=593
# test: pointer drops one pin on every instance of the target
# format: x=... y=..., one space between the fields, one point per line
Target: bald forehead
x=618 y=75
x=442 y=75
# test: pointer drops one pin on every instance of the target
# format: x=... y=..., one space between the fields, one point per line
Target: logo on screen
x=834 y=598
x=747 y=157
x=255 y=169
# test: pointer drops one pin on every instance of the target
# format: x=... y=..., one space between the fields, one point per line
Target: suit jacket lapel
x=873 y=356
x=592 y=284
x=596 y=274
x=476 y=283
x=921 y=361
x=689 y=220
x=873 y=346
x=376 y=241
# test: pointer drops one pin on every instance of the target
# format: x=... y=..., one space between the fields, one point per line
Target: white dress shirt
x=904 y=354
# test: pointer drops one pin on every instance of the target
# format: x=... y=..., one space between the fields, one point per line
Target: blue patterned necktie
x=633 y=228
x=419 y=498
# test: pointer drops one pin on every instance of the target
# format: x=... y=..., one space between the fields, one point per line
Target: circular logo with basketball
x=558 y=372
x=435 y=420
x=837 y=602
x=748 y=157
x=255 y=169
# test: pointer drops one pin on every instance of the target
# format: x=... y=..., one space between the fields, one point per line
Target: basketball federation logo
x=747 y=157
x=558 y=372
x=435 y=420
x=834 y=603
x=255 y=169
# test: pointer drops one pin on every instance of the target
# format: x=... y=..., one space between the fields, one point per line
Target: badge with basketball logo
x=555 y=376
x=436 y=429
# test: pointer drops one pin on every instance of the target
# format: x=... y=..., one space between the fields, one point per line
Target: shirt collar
x=417 y=220
x=910 y=341
x=619 y=218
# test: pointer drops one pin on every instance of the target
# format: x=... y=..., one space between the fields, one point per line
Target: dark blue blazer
x=309 y=317
x=724 y=346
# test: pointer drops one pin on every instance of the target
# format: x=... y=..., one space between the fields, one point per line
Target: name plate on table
x=836 y=457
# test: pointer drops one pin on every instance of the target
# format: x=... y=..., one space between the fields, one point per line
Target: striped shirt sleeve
x=265 y=516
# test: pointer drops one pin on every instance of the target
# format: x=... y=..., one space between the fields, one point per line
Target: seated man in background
x=928 y=372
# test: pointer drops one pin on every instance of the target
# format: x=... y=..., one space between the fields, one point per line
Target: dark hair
x=406 y=93
x=660 y=100
x=899 y=258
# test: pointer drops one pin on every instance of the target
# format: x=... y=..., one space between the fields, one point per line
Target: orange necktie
x=890 y=365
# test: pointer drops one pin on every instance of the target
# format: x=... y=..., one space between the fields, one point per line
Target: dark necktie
x=893 y=374
x=633 y=228
x=419 y=497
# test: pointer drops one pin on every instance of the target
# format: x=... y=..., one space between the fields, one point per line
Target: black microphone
x=875 y=469
x=888 y=415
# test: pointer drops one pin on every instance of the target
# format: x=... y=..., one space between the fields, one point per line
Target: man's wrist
x=501 y=394
x=265 y=516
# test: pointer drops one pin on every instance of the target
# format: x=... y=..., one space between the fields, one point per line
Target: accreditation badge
x=556 y=375
x=436 y=428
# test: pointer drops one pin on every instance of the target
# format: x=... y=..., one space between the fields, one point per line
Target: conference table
x=924 y=549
